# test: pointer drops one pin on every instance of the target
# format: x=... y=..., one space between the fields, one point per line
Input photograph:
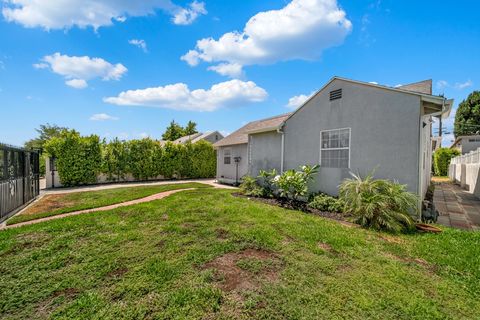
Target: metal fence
x=467 y=158
x=19 y=178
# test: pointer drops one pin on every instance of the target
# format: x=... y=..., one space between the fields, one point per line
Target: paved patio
x=457 y=208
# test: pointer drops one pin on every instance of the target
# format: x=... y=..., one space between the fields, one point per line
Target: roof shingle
x=241 y=135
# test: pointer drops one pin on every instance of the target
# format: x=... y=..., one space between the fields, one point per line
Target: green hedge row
x=441 y=160
x=80 y=159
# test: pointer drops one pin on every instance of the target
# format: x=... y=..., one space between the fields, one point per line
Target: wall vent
x=335 y=94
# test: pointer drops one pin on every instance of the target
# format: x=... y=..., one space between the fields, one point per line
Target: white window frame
x=343 y=148
x=229 y=155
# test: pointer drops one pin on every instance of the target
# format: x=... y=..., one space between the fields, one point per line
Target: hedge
x=78 y=159
x=81 y=159
x=441 y=160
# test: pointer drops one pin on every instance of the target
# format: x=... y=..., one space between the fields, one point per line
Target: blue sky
x=68 y=62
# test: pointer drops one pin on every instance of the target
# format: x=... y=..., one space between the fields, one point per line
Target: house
x=465 y=144
x=233 y=158
x=346 y=126
x=210 y=136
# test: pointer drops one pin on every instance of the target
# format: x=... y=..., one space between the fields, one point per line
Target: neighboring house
x=347 y=126
x=465 y=144
x=211 y=136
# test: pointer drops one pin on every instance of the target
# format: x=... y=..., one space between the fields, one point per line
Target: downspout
x=282 y=148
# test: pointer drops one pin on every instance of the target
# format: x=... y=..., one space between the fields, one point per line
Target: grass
x=148 y=261
x=51 y=205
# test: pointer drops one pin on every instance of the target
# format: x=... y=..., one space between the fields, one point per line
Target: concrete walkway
x=211 y=182
x=153 y=197
x=457 y=208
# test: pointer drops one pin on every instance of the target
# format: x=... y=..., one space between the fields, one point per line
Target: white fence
x=465 y=170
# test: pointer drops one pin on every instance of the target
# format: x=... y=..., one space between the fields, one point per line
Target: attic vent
x=335 y=94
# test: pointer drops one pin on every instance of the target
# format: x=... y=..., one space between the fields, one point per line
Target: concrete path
x=153 y=197
x=458 y=208
x=211 y=182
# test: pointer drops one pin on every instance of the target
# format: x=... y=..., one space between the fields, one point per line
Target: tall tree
x=467 y=118
x=45 y=133
x=191 y=128
x=173 y=132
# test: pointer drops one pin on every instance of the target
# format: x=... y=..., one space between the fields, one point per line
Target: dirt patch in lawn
x=117 y=273
x=221 y=233
x=245 y=270
x=418 y=261
x=48 y=203
x=46 y=307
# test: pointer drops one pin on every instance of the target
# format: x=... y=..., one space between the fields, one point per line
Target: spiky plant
x=379 y=204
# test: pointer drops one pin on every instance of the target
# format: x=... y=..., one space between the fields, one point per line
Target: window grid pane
x=335 y=147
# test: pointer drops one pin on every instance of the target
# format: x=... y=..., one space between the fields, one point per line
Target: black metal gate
x=19 y=178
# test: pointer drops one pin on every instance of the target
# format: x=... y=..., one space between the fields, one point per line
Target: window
x=335 y=94
x=227 y=156
x=335 y=148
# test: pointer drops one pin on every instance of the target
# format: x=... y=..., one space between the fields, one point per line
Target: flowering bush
x=293 y=184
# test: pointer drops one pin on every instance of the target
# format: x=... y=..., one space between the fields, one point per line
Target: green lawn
x=173 y=259
x=51 y=205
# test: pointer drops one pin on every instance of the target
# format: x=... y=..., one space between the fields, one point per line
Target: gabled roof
x=408 y=89
x=241 y=135
x=460 y=138
x=206 y=135
x=187 y=138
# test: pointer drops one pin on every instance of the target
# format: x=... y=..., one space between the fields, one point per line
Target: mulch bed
x=286 y=205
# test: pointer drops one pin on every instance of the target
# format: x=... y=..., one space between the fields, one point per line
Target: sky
x=121 y=68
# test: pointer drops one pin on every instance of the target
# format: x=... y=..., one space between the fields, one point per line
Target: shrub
x=78 y=159
x=378 y=204
x=142 y=156
x=267 y=182
x=326 y=203
x=441 y=160
x=250 y=187
x=293 y=184
x=204 y=160
x=115 y=160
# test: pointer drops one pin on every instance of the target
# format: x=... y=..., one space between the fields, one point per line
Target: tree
x=191 y=128
x=467 y=118
x=45 y=133
x=173 y=132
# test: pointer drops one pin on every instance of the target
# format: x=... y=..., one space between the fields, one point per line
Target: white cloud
x=373 y=82
x=102 y=117
x=464 y=85
x=186 y=16
x=77 y=83
x=296 y=101
x=143 y=135
x=442 y=84
x=77 y=70
x=179 y=97
x=300 y=30
x=64 y=14
x=139 y=43
x=232 y=70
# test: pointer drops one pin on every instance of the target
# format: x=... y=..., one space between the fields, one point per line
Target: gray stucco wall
x=227 y=172
x=265 y=151
x=384 y=134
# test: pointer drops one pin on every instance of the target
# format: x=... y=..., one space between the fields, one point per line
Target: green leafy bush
x=441 y=160
x=250 y=187
x=78 y=159
x=115 y=160
x=326 y=203
x=81 y=159
x=293 y=184
x=267 y=182
x=378 y=204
